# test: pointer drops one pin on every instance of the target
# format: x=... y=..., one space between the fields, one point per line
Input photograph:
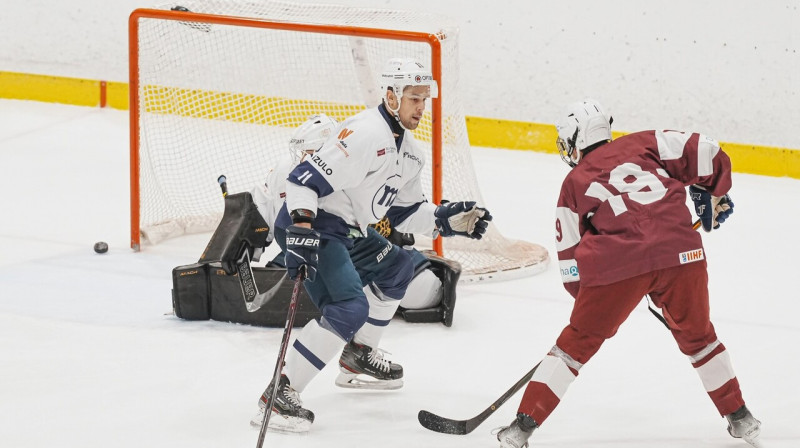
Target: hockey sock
x=381 y=312
x=311 y=351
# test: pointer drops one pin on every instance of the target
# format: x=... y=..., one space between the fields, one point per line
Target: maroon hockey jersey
x=622 y=211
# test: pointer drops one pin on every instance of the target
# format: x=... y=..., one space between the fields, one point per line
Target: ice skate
x=288 y=414
x=517 y=433
x=362 y=367
x=742 y=425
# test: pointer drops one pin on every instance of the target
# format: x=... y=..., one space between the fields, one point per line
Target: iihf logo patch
x=691 y=256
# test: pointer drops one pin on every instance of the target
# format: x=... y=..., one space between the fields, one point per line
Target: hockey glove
x=302 y=252
x=462 y=218
x=712 y=210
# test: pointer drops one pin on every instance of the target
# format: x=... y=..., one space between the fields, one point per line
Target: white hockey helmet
x=310 y=136
x=584 y=123
x=399 y=73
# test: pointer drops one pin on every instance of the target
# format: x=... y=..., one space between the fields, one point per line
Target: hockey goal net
x=217 y=87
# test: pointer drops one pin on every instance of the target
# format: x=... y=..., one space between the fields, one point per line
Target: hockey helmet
x=310 y=136
x=399 y=73
x=584 y=123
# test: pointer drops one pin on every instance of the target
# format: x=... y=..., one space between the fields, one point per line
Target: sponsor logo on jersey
x=283 y=195
x=344 y=133
x=412 y=157
x=382 y=152
x=569 y=271
x=321 y=164
x=691 y=256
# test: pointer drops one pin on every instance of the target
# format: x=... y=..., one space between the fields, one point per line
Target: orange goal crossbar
x=133 y=54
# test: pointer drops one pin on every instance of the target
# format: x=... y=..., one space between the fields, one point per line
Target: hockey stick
x=253 y=299
x=276 y=376
x=446 y=425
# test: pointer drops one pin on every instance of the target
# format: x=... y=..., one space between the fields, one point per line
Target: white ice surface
x=91 y=357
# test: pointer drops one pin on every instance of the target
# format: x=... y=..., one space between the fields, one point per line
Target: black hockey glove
x=302 y=252
x=712 y=210
x=462 y=218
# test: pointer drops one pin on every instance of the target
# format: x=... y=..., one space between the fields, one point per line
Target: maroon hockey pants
x=682 y=294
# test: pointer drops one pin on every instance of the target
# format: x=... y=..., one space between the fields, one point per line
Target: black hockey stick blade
x=446 y=425
x=442 y=424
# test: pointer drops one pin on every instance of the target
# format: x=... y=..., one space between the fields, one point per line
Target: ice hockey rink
x=92 y=357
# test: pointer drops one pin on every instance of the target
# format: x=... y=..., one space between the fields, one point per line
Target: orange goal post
x=218 y=86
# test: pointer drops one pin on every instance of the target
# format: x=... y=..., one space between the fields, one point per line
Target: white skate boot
x=742 y=425
x=517 y=433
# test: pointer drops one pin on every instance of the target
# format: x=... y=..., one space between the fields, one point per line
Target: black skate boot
x=742 y=425
x=362 y=367
x=288 y=413
x=517 y=433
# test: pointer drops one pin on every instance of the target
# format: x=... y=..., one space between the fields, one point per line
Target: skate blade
x=282 y=424
x=356 y=381
x=755 y=442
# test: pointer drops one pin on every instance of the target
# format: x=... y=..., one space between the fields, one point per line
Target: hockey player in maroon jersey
x=623 y=231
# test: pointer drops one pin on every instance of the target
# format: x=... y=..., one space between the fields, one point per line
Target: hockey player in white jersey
x=370 y=169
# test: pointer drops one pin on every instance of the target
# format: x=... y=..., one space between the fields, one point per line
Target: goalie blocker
x=222 y=285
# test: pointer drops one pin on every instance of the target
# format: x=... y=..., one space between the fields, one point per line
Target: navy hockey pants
x=341 y=275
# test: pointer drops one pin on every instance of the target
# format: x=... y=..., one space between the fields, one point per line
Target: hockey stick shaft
x=445 y=425
x=276 y=376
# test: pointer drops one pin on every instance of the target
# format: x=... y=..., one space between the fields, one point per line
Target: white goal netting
x=222 y=94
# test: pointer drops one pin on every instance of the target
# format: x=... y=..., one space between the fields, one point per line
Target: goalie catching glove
x=462 y=218
x=302 y=252
x=712 y=210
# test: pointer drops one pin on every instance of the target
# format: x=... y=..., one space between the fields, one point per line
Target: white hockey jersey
x=359 y=174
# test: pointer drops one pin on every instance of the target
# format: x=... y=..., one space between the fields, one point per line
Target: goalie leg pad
x=448 y=272
x=190 y=292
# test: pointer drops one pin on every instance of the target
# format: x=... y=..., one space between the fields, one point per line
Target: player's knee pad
x=345 y=317
x=394 y=278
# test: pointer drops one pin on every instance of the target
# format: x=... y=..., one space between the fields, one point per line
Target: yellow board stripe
x=487 y=132
x=752 y=159
x=57 y=89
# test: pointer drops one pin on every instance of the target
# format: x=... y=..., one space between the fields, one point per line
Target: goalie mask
x=584 y=124
x=310 y=136
x=400 y=73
